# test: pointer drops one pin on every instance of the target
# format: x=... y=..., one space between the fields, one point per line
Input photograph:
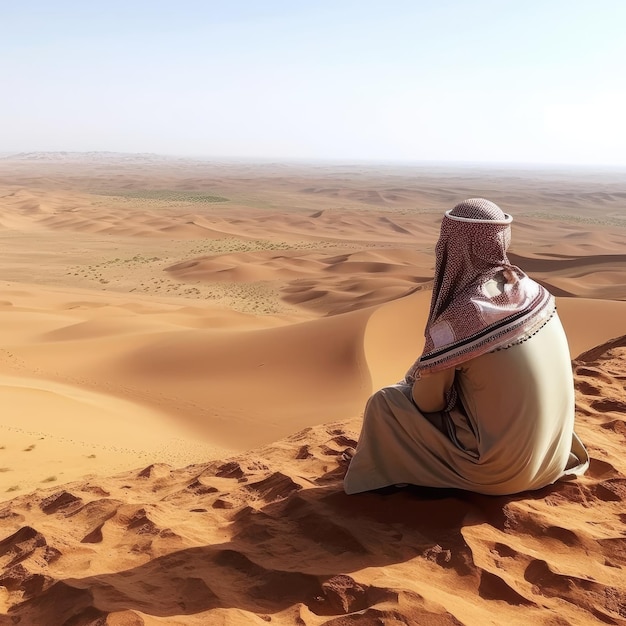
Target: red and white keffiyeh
x=480 y=301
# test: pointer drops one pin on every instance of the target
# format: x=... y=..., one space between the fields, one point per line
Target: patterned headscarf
x=480 y=301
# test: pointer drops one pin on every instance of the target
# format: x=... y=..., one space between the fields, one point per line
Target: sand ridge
x=238 y=383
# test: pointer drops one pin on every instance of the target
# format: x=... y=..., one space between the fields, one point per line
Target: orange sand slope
x=269 y=537
x=103 y=382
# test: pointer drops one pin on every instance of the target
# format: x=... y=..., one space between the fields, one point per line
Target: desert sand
x=186 y=348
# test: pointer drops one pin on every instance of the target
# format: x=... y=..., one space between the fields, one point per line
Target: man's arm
x=429 y=393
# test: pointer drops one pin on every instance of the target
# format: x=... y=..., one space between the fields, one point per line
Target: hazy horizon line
x=286 y=160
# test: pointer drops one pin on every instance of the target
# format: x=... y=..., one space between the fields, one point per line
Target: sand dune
x=271 y=537
x=185 y=350
x=590 y=276
x=319 y=281
x=238 y=387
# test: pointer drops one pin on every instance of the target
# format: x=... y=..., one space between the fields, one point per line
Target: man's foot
x=347 y=455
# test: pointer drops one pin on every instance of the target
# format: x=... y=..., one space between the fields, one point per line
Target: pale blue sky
x=534 y=81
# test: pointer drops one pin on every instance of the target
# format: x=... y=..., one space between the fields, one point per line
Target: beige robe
x=512 y=429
